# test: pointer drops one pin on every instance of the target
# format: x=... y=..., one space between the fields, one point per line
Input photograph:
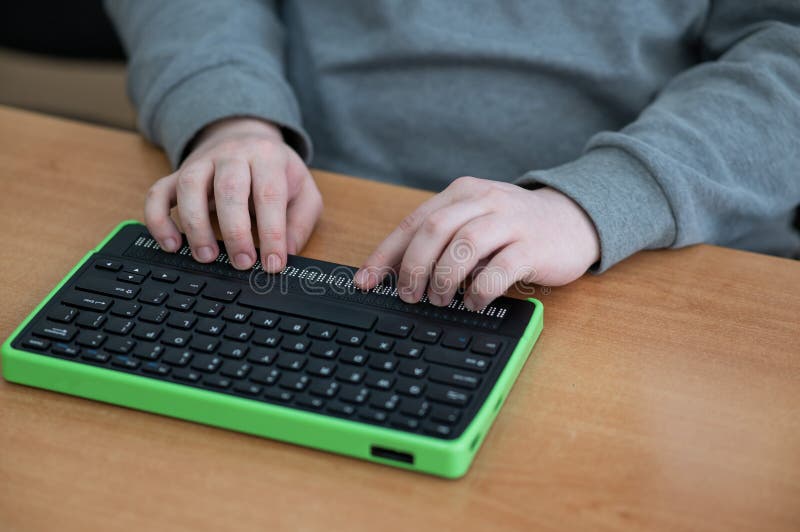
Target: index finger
x=270 y=194
x=389 y=253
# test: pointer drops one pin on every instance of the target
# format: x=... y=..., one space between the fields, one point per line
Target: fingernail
x=273 y=263
x=205 y=254
x=243 y=260
x=435 y=299
x=360 y=278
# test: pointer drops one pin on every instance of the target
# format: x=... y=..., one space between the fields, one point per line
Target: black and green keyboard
x=300 y=356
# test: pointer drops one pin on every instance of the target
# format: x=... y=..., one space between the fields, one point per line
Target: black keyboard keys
x=148 y=351
x=107 y=264
x=90 y=339
x=145 y=331
x=350 y=337
x=241 y=333
x=182 y=320
x=138 y=270
x=325 y=389
x=415 y=407
x=310 y=402
x=183 y=303
x=233 y=349
x=119 y=326
x=407 y=372
x=376 y=343
x=293 y=325
x=236 y=370
x=186 y=375
x=445 y=414
x=237 y=314
x=427 y=334
x=321 y=368
x=126 y=309
x=56 y=332
x=165 y=276
x=189 y=287
x=37 y=343
x=153 y=296
x=126 y=362
x=87 y=302
x=486 y=345
x=130 y=278
x=448 y=395
x=268 y=339
x=321 y=331
x=394 y=327
x=354 y=394
x=177 y=357
x=107 y=288
x=204 y=344
x=209 y=308
x=222 y=292
x=119 y=345
x=262 y=356
x=456 y=340
x=291 y=362
x=351 y=375
x=90 y=320
x=155 y=368
x=458 y=360
x=94 y=355
x=341 y=409
x=206 y=363
x=381 y=381
x=62 y=314
x=455 y=377
x=412 y=368
x=66 y=350
x=265 y=375
x=294 y=381
x=154 y=315
x=176 y=338
x=265 y=320
x=248 y=388
x=210 y=327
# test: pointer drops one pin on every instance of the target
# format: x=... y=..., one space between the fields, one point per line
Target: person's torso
x=420 y=92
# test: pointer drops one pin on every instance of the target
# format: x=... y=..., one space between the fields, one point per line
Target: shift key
x=108 y=288
x=56 y=332
x=458 y=359
x=87 y=302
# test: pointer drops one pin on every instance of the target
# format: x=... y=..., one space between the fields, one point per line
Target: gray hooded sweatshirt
x=671 y=122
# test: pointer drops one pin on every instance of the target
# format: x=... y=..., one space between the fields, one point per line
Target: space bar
x=305 y=307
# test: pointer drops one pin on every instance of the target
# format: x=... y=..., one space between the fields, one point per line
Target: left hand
x=539 y=236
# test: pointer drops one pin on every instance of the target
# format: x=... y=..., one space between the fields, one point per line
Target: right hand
x=234 y=160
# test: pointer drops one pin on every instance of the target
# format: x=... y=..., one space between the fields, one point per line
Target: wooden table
x=662 y=395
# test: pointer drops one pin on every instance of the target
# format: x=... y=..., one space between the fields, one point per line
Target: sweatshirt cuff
x=623 y=199
x=219 y=92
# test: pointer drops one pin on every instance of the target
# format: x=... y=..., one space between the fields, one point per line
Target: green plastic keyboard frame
x=446 y=458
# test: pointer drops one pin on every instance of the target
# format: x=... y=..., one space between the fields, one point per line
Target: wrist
x=237 y=127
x=580 y=227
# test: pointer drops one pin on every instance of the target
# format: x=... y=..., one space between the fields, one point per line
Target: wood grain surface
x=662 y=395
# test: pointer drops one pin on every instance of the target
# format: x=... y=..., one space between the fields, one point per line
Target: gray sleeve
x=715 y=154
x=191 y=63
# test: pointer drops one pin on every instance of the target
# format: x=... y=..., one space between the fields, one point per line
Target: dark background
x=65 y=29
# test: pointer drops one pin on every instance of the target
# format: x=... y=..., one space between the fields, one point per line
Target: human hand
x=237 y=160
x=539 y=236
